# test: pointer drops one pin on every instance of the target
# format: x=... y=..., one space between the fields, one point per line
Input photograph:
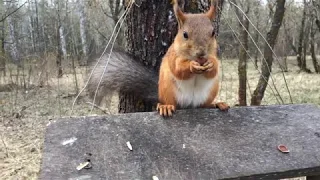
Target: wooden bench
x=194 y=144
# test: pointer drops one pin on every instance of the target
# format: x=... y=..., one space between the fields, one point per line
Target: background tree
x=268 y=54
x=243 y=50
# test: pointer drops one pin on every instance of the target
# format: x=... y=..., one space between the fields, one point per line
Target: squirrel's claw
x=195 y=67
x=165 y=110
x=220 y=105
x=208 y=66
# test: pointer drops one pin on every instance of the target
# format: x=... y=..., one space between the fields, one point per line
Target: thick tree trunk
x=305 y=44
x=268 y=55
x=150 y=31
x=301 y=37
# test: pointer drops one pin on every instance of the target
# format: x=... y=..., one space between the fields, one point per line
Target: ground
x=26 y=111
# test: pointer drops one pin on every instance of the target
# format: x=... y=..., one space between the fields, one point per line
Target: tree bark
x=266 y=67
x=149 y=33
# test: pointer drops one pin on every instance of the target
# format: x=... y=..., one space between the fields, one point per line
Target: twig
x=98 y=107
x=5 y=17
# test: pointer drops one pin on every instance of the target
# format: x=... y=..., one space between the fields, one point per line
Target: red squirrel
x=189 y=71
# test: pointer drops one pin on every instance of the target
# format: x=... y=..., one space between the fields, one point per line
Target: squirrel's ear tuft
x=212 y=11
x=179 y=14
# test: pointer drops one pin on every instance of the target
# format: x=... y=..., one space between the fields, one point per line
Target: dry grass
x=25 y=113
x=304 y=87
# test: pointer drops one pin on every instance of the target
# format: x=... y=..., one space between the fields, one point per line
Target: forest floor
x=25 y=113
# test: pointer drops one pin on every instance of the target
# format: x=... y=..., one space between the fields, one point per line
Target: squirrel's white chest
x=193 y=92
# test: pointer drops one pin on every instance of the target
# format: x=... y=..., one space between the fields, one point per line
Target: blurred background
x=47 y=45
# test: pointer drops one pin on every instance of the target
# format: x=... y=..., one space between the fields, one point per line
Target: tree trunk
x=288 y=38
x=256 y=38
x=312 y=51
x=318 y=24
x=83 y=31
x=305 y=44
x=301 y=36
x=242 y=66
x=15 y=54
x=268 y=55
x=116 y=7
x=31 y=28
x=14 y=51
x=63 y=41
x=243 y=49
x=59 y=55
x=149 y=33
x=2 y=51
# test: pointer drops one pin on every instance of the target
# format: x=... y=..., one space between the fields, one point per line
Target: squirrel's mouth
x=201 y=61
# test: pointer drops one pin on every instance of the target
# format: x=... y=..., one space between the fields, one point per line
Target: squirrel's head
x=196 y=36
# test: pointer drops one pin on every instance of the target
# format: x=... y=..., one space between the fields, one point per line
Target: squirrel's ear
x=179 y=14
x=212 y=11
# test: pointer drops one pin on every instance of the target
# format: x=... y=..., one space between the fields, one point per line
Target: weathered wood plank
x=194 y=144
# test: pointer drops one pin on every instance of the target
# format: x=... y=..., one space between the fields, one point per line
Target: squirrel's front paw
x=208 y=66
x=195 y=67
x=165 y=110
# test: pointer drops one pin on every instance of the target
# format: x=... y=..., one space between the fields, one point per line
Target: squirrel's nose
x=200 y=54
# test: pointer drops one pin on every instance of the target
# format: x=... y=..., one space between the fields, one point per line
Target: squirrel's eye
x=213 y=33
x=185 y=35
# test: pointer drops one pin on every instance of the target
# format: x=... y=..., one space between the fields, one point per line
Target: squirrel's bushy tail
x=125 y=74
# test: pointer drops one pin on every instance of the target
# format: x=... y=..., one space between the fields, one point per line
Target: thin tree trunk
x=242 y=66
x=149 y=33
x=266 y=65
x=243 y=49
x=15 y=54
x=59 y=55
x=288 y=38
x=37 y=30
x=83 y=31
x=312 y=51
x=2 y=51
x=31 y=28
x=256 y=38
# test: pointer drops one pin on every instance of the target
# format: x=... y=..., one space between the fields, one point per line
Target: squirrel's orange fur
x=189 y=70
